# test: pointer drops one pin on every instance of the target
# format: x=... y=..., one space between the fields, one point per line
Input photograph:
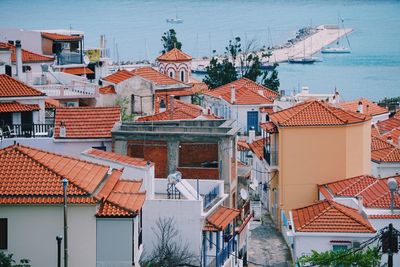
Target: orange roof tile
x=109 y=89
x=388 y=125
x=369 y=107
x=374 y=191
x=174 y=55
x=258 y=147
x=155 y=76
x=397 y=114
x=269 y=127
x=17 y=107
x=394 y=134
x=384 y=216
x=242 y=145
x=27 y=56
x=10 y=87
x=87 y=122
x=247 y=93
x=331 y=217
x=316 y=113
x=220 y=219
x=61 y=37
x=78 y=70
x=51 y=103
x=137 y=162
x=268 y=110
x=374 y=130
x=382 y=151
x=118 y=76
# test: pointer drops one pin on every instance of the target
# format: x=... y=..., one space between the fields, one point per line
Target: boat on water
x=302 y=60
x=200 y=69
x=175 y=20
x=336 y=50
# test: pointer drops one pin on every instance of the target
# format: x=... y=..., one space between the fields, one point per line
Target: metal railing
x=210 y=196
x=228 y=249
x=28 y=130
x=271 y=156
x=75 y=89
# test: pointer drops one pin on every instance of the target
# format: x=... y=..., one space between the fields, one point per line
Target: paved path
x=267 y=246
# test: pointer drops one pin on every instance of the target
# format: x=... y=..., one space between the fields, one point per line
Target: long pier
x=323 y=36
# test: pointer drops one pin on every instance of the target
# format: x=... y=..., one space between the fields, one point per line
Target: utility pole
x=390 y=253
x=65 y=185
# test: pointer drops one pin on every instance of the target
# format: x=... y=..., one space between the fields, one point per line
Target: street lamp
x=392 y=184
x=65 y=185
x=59 y=239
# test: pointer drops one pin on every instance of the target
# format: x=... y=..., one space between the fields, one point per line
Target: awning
x=78 y=71
x=220 y=219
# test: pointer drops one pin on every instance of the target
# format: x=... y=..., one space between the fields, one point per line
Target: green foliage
x=123 y=103
x=238 y=62
x=362 y=258
x=6 y=260
x=169 y=41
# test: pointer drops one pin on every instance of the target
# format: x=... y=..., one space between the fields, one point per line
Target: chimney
x=389 y=139
x=252 y=135
x=63 y=130
x=171 y=105
x=336 y=99
x=233 y=94
x=360 y=107
x=18 y=52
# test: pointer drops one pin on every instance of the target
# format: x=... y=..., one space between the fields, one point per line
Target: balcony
x=77 y=89
x=271 y=156
x=210 y=197
x=28 y=130
x=227 y=250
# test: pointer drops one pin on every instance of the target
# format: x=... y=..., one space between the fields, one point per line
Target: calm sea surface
x=371 y=70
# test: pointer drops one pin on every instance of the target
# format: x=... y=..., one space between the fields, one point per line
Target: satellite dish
x=244 y=194
x=86 y=60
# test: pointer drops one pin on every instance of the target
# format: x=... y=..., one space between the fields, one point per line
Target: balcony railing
x=227 y=251
x=210 y=196
x=28 y=130
x=271 y=156
x=75 y=89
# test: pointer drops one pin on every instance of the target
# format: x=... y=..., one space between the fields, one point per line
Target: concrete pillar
x=173 y=156
x=121 y=147
x=224 y=148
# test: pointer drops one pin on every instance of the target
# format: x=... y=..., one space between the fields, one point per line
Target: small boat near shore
x=175 y=20
x=336 y=50
x=302 y=60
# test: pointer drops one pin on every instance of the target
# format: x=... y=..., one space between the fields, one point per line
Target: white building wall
x=385 y=169
x=380 y=117
x=32 y=232
x=65 y=147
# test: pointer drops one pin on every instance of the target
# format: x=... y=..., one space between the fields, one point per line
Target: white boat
x=336 y=50
x=175 y=20
x=302 y=60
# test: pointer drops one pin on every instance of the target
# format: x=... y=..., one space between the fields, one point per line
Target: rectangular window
x=3 y=234
x=211 y=240
x=132 y=104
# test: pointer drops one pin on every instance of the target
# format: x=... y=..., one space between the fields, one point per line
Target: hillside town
x=115 y=165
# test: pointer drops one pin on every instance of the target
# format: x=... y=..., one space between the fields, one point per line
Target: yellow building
x=309 y=144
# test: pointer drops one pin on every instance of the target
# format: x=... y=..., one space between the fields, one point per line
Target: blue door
x=252 y=120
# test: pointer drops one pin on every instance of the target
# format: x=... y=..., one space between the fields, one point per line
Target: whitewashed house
x=103 y=218
x=243 y=101
x=385 y=157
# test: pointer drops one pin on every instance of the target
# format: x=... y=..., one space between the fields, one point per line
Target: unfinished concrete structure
x=199 y=149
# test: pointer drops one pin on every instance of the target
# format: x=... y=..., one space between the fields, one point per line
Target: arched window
x=182 y=75
x=171 y=73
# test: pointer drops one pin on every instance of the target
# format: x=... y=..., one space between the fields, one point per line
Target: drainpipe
x=65 y=185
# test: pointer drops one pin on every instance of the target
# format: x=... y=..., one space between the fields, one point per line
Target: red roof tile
x=118 y=76
x=269 y=127
x=374 y=191
x=388 y=125
x=384 y=216
x=316 y=113
x=174 y=55
x=258 y=148
x=394 y=134
x=374 y=131
x=268 y=110
x=61 y=37
x=242 y=145
x=247 y=93
x=17 y=107
x=51 y=103
x=87 y=122
x=78 y=70
x=27 y=56
x=382 y=151
x=331 y=217
x=220 y=219
x=137 y=162
x=10 y=87
x=155 y=76
x=109 y=89
x=369 y=107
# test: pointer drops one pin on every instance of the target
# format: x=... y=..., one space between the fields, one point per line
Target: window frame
x=4 y=223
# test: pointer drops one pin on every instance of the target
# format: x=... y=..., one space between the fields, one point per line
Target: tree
x=242 y=62
x=6 y=260
x=169 y=41
x=169 y=250
x=362 y=258
x=123 y=103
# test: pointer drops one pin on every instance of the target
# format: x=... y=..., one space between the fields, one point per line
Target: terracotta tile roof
x=87 y=122
x=269 y=127
x=374 y=191
x=388 y=125
x=394 y=134
x=220 y=219
x=181 y=111
x=105 y=90
x=397 y=115
x=61 y=37
x=331 y=217
x=369 y=107
x=155 y=76
x=174 y=55
x=137 y=162
x=197 y=88
x=316 y=113
x=10 y=87
x=374 y=131
x=268 y=110
x=27 y=56
x=78 y=70
x=247 y=93
x=29 y=172
x=242 y=145
x=51 y=103
x=257 y=148
x=384 y=216
x=17 y=107
x=382 y=151
x=118 y=76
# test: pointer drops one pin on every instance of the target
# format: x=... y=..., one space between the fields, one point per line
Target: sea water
x=135 y=26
